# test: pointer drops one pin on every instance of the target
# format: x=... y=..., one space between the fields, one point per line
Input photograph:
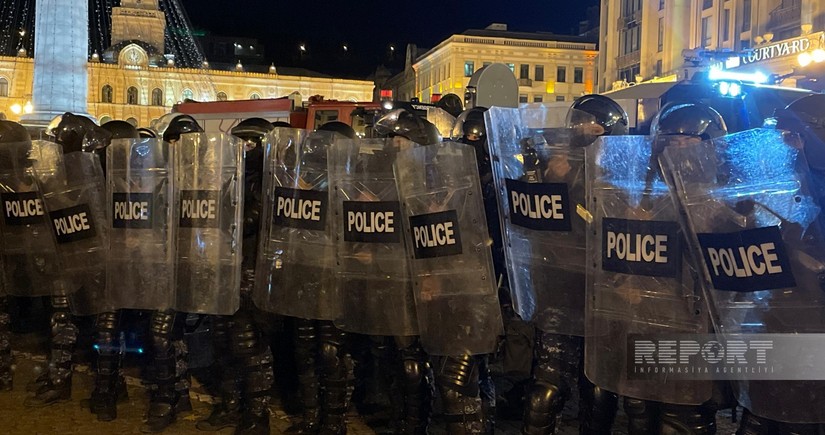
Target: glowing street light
x=28 y=108
x=818 y=55
x=16 y=108
x=805 y=59
x=303 y=48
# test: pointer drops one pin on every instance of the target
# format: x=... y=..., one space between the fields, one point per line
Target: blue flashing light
x=724 y=88
x=140 y=350
x=95 y=347
x=716 y=74
x=735 y=90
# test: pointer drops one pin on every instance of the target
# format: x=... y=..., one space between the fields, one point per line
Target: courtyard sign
x=788 y=47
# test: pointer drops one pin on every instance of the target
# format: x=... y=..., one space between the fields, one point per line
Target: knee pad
x=546 y=397
x=459 y=374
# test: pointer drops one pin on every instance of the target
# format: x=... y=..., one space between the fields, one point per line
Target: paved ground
x=71 y=418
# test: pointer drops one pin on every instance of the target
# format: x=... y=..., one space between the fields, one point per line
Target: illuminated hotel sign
x=788 y=47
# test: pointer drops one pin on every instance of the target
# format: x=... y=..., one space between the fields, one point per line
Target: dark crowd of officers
x=371 y=256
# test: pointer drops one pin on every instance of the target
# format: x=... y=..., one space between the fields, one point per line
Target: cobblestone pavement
x=72 y=418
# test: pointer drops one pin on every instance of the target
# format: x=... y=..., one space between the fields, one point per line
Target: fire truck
x=221 y=116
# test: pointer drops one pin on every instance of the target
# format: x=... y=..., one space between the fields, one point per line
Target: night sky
x=368 y=27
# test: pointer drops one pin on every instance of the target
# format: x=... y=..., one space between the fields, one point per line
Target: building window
x=661 y=43
x=746 y=15
x=254 y=97
x=512 y=67
x=524 y=71
x=631 y=39
x=221 y=96
x=578 y=75
x=559 y=98
x=706 y=32
x=132 y=121
x=104 y=119
x=726 y=25
x=631 y=7
x=106 y=94
x=561 y=74
x=538 y=99
x=661 y=5
x=659 y=68
x=539 y=73
x=629 y=74
x=157 y=97
x=522 y=98
x=132 y=95
x=486 y=64
x=187 y=95
x=707 y=4
x=4 y=87
x=469 y=68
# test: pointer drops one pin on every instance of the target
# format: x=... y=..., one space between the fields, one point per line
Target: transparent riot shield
x=442 y=120
x=142 y=209
x=447 y=240
x=757 y=229
x=27 y=252
x=76 y=207
x=639 y=277
x=209 y=187
x=295 y=257
x=371 y=269
x=539 y=173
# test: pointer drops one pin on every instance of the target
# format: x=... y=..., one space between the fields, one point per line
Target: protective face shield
x=252 y=130
x=592 y=116
x=687 y=119
x=405 y=123
x=172 y=125
x=146 y=133
x=469 y=126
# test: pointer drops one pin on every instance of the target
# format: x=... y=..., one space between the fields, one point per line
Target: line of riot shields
x=160 y=230
x=382 y=236
x=689 y=232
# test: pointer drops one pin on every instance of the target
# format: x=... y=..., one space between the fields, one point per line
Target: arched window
x=187 y=95
x=104 y=119
x=106 y=94
x=157 y=97
x=132 y=121
x=132 y=95
x=4 y=87
x=222 y=96
x=254 y=97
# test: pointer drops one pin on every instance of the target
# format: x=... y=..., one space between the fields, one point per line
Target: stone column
x=61 y=77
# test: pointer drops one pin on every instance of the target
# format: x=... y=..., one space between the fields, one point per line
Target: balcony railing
x=628 y=59
x=525 y=82
x=625 y=20
x=785 y=16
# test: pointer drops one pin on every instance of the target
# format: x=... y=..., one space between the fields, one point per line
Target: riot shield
x=639 y=279
x=27 y=252
x=295 y=256
x=76 y=206
x=757 y=230
x=209 y=185
x=442 y=120
x=539 y=172
x=142 y=209
x=371 y=269
x=447 y=240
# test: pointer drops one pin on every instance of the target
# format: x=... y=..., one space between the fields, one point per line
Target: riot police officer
x=244 y=358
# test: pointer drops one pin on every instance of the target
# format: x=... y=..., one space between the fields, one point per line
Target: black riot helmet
x=338 y=127
x=602 y=110
x=277 y=124
x=688 y=119
x=451 y=103
x=402 y=122
x=72 y=131
x=469 y=126
x=12 y=132
x=172 y=125
x=121 y=130
x=252 y=130
x=806 y=117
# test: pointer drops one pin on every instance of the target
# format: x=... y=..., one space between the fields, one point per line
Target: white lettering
x=302 y=209
x=637 y=247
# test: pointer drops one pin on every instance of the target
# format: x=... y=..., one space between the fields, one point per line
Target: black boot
x=418 y=387
x=458 y=385
x=597 y=409
x=306 y=349
x=337 y=380
x=642 y=416
x=226 y=413
x=58 y=387
x=688 y=419
x=165 y=396
x=110 y=387
x=256 y=364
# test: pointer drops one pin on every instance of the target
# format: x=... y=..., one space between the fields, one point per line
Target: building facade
x=548 y=67
x=133 y=80
x=642 y=40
